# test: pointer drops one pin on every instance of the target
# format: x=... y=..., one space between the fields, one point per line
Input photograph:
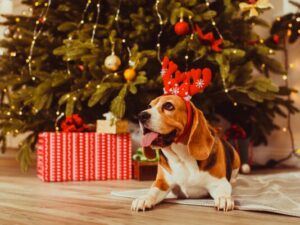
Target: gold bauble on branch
x=129 y=74
x=112 y=62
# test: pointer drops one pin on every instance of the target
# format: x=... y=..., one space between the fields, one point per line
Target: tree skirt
x=278 y=193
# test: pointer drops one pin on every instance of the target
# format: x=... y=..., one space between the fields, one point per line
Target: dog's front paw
x=224 y=203
x=142 y=203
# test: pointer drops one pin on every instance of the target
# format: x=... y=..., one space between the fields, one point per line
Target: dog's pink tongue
x=148 y=139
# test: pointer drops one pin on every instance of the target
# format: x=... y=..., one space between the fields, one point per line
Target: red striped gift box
x=65 y=156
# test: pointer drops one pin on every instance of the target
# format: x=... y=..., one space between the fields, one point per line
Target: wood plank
x=24 y=199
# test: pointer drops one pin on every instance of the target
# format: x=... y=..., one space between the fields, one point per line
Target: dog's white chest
x=185 y=172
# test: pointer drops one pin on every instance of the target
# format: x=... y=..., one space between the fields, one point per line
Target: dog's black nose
x=144 y=116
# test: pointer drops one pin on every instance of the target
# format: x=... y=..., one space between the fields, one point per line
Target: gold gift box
x=112 y=126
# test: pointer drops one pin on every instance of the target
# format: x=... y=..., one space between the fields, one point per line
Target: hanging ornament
x=181 y=28
x=112 y=62
x=276 y=38
x=129 y=74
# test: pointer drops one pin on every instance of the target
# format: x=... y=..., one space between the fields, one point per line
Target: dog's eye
x=149 y=106
x=168 y=106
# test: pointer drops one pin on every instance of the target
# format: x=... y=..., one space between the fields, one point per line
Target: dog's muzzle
x=144 y=117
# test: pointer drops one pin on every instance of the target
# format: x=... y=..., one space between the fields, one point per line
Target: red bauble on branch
x=181 y=28
x=276 y=38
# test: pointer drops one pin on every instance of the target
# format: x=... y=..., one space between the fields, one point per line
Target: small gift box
x=112 y=125
x=143 y=168
x=70 y=156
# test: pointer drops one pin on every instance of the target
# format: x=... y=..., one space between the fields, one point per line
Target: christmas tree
x=91 y=57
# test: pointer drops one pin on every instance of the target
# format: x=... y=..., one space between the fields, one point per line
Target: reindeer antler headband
x=184 y=84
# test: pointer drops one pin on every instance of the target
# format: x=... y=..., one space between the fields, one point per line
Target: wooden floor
x=26 y=200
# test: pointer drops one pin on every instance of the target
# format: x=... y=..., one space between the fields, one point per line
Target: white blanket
x=279 y=193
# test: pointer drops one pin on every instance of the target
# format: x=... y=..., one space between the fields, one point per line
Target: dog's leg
x=158 y=191
x=220 y=191
x=153 y=197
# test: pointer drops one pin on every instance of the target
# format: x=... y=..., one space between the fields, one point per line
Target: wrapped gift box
x=65 y=156
x=112 y=126
x=144 y=170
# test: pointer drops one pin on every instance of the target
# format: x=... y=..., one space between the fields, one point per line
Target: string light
x=57 y=120
x=97 y=21
x=291 y=65
x=290 y=25
x=161 y=29
x=13 y=54
x=214 y=24
x=284 y=129
x=284 y=77
x=87 y=5
x=117 y=16
x=298 y=19
x=278 y=19
x=37 y=32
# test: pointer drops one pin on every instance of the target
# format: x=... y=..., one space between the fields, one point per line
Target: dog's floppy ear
x=200 y=141
x=149 y=153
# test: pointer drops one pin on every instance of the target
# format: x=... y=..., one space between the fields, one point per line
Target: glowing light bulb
x=284 y=77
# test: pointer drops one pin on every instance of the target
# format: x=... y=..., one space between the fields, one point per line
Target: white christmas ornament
x=112 y=62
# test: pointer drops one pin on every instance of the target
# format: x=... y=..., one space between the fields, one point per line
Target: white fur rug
x=279 y=193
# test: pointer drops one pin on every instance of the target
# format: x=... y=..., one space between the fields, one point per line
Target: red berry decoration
x=276 y=38
x=181 y=28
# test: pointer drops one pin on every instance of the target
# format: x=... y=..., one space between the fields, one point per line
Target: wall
x=279 y=143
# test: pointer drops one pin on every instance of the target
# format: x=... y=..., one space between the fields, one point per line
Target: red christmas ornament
x=80 y=67
x=181 y=28
x=276 y=38
x=42 y=19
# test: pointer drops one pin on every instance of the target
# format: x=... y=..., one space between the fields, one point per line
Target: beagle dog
x=193 y=163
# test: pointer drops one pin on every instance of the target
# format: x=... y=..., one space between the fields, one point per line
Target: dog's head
x=165 y=121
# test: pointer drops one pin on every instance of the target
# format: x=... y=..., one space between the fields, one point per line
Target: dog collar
x=189 y=121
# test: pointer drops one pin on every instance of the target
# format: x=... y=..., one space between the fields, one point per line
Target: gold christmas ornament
x=112 y=62
x=129 y=74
